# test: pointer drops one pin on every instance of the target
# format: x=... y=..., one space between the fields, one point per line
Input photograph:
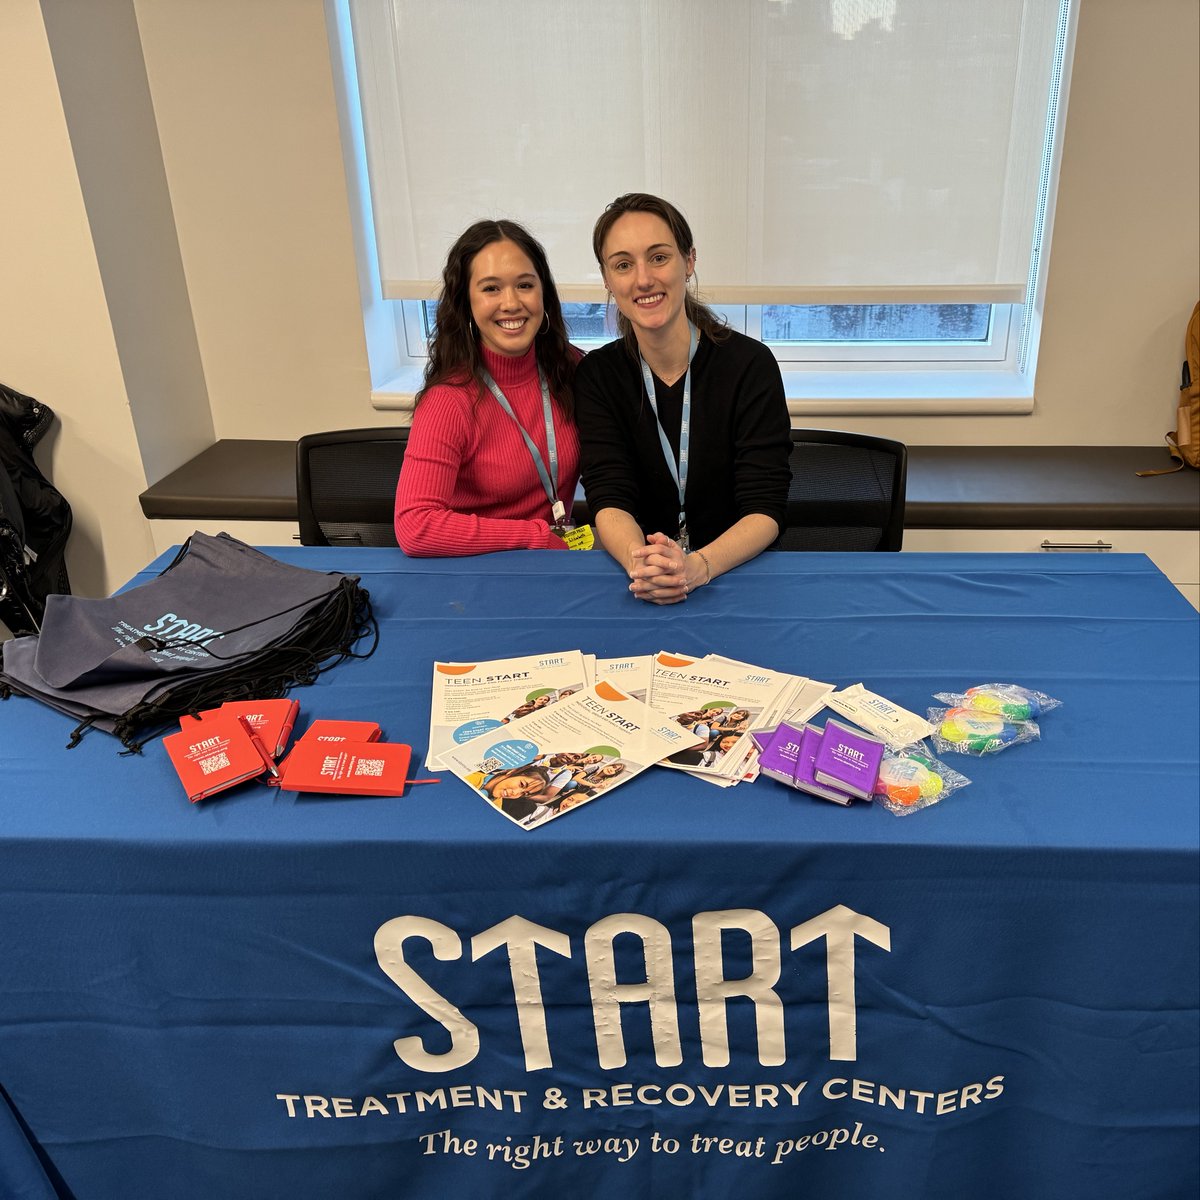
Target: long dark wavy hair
x=698 y=313
x=454 y=353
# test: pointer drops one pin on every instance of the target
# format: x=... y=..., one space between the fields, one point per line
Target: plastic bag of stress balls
x=1008 y=700
x=973 y=731
x=912 y=779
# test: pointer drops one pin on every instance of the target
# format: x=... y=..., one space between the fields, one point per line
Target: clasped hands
x=660 y=571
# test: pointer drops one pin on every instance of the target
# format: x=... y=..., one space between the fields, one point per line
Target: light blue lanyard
x=557 y=508
x=679 y=472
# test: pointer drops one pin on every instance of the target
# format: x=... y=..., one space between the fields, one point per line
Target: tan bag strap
x=1173 y=450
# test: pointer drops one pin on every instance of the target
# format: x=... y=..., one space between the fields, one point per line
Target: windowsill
x=898 y=392
x=396 y=394
x=866 y=392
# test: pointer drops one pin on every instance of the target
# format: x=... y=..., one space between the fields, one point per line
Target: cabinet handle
x=1097 y=546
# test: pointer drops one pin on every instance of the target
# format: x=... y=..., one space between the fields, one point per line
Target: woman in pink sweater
x=492 y=458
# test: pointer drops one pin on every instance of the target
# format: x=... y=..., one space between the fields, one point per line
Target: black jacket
x=35 y=520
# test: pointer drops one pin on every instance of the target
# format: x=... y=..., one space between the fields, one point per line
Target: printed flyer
x=799 y=700
x=631 y=675
x=470 y=699
x=720 y=702
x=565 y=755
x=733 y=771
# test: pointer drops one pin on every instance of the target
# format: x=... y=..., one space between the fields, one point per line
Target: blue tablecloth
x=673 y=991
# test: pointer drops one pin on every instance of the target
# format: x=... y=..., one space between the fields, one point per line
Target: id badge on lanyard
x=679 y=471
x=561 y=521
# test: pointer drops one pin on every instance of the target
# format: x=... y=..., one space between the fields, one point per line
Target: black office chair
x=346 y=486
x=847 y=492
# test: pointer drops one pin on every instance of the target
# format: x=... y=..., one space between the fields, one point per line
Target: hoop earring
x=545 y=322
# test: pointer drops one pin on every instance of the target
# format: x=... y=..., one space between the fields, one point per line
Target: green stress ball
x=977 y=731
x=1012 y=703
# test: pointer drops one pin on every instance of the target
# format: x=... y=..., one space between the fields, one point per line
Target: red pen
x=259 y=745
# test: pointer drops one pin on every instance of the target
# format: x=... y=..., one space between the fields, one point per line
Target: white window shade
x=824 y=151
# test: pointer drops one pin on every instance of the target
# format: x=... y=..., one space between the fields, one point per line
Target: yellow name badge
x=579 y=538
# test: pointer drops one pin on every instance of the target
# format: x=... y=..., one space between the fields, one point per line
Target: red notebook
x=347 y=768
x=272 y=720
x=328 y=731
x=323 y=730
x=215 y=753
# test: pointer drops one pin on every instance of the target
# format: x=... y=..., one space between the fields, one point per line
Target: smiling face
x=513 y=787
x=646 y=271
x=506 y=298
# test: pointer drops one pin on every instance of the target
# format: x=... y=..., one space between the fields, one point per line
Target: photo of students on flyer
x=550 y=784
x=722 y=729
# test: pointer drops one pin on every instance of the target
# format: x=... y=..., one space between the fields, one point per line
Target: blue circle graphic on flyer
x=516 y=752
x=473 y=729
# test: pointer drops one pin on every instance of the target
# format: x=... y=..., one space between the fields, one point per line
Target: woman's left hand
x=659 y=572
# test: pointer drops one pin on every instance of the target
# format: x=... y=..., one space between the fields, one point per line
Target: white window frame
x=976 y=378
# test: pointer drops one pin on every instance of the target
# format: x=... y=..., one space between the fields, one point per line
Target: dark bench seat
x=949 y=487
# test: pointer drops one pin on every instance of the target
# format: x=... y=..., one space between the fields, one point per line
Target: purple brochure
x=777 y=759
x=848 y=760
x=762 y=738
x=805 y=766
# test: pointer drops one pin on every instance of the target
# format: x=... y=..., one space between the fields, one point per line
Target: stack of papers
x=720 y=701
x=473 y=699
x=520 y=732
x=564 y=755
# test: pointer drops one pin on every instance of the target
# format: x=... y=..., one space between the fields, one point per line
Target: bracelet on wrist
x=707 y=567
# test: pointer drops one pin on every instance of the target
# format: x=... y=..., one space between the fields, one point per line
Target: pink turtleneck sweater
x=468 y=484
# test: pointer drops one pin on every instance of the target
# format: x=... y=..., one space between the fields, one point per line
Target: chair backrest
x=346 y=486
x=847 y=492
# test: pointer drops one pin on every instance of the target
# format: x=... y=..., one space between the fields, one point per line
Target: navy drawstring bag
x=222 y=622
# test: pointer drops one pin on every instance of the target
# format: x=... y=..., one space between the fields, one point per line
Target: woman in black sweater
x=676 y=502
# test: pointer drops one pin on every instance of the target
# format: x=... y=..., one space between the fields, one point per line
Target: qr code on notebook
x=491 y=764
x=369 y=766
x=214 y=762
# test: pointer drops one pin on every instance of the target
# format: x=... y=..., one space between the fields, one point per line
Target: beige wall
x=101 y=76
x=244 y=104
x=244 y=98
x=56 y=337
x=1125 y=263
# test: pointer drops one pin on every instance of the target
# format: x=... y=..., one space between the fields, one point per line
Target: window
x=871 y=183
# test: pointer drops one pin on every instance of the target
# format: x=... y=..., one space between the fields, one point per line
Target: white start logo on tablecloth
x=844 y=932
